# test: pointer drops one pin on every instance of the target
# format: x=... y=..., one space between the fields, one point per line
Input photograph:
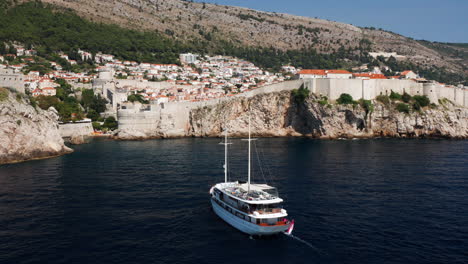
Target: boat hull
x=244 y=226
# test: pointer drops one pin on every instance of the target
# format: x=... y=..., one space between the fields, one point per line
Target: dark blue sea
x=354 y=201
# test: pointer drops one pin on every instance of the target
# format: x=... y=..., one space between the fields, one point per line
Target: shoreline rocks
x=26 y=132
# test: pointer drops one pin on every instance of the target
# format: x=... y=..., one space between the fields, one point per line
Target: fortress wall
x=138 y=120
x=81 y=85
x=459 y=96
x=311 y=85
x=465 y=92
x=75 y=129
x=12 y=80
x=430 y=90
x=369 y=89
x=445 y=92
x=352 y=87
x=173 y=118
x=322 y=87
x=139 y=84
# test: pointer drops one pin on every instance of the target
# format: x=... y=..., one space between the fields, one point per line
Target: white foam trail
x=304 y=242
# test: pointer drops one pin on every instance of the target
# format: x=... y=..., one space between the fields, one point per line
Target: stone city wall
x=173 y=118
x=12 y=80
x=69 y=130
x=370 y=89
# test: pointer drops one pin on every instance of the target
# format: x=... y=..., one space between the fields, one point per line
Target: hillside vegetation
x=157 y=31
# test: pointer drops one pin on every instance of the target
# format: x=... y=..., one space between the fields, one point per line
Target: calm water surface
x=363 y=201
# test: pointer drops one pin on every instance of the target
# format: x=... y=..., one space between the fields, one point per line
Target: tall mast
x=225 y=155
x=248 y=190
x=225 y=143
x=249 y=162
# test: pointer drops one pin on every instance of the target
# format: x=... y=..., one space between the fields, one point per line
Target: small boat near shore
x=255 y=209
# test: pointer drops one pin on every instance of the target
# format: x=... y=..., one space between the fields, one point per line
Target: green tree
x=345 y=99
x=97 y=126
x=367 y=105
x=93 y=115
x=111 y=123
x=422 y=100
x=137 y=98
x=45 y=102
x=406 y=97
x=404 y=108
x=395 y=96
x=300 y=94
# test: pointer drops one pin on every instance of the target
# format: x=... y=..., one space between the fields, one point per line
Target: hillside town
x=196 y=78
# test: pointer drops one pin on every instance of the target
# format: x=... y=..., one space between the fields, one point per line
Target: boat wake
x=303 y=242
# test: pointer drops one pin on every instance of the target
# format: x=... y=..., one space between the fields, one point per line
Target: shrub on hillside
x=93 y=115
x=406 y=98
x=345 y=99
x=300 y=94
x=395 y=96
x=403 y=108
x=97 y=126
x=383 y=99
x=367 y=105
x=110 y=123
x=3 y=94
x=422 y=100
x=45 y=102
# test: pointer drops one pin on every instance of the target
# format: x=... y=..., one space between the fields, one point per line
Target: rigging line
x=269 y=174
x=259 y=163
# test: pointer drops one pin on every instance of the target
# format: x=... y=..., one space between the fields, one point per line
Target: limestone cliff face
x=279 y=114
x=26 y=132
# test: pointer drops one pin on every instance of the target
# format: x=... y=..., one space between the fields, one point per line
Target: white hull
x=244 y=226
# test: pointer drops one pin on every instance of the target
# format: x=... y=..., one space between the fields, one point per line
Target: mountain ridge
x=209 y=23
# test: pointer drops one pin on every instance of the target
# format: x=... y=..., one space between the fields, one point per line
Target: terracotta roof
x=337 y=71
x=315 y=72
x=370 y=75
x=405 y=72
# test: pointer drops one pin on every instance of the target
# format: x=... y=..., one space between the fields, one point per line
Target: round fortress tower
x=105 y=74
x=430 y=90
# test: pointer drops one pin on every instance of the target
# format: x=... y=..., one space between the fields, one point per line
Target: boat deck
x=257 y=192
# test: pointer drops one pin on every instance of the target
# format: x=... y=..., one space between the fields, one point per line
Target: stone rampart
x=172 y=119
x=69 y=130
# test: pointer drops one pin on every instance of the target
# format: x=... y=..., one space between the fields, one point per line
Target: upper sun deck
x=259 y=193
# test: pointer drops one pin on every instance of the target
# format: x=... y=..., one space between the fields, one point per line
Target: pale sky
x=435 y=20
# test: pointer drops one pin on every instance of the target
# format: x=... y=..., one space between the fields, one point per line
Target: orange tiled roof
x=315 y=72
x=337 y=71
x=405 y=72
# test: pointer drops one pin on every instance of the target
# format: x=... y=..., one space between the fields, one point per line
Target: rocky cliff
x=280 y=114
x=27 y=132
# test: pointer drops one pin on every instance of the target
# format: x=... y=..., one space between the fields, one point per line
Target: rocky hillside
x=281 y=114
x=184 y=20
x=27 y=132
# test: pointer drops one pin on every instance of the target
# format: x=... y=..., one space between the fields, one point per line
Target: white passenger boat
x=254 y=209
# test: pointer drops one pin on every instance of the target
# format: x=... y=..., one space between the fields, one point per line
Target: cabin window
x=258 y=221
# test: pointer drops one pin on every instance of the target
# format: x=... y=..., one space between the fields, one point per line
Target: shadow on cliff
x=305 y=117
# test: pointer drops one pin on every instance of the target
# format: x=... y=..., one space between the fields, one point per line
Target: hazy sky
x=436 y=20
